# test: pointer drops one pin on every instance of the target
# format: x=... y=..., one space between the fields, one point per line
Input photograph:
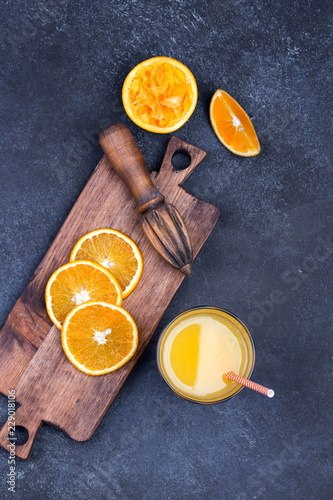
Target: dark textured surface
x=63 y=65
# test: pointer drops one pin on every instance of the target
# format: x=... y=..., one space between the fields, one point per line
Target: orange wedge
x=76 y=283
x=116 y=252
x=160 y=94
x=232 y=125
x=98 y=337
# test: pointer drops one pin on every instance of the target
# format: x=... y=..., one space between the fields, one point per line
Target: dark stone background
x=62 y=68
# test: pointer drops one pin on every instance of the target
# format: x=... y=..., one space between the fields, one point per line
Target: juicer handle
x=127 y=160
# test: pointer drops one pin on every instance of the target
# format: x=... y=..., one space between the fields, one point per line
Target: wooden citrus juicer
x=161 y=221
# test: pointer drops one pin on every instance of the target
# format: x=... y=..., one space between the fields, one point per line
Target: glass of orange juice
x=198 y=347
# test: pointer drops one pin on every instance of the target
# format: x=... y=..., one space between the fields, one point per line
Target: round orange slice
x=232 y=125
x=116 y=252
x=76 y=283
x=98 y=337
x=160 y=94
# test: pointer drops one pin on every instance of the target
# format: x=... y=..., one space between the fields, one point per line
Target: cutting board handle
x=127 y=160
x=30 y=420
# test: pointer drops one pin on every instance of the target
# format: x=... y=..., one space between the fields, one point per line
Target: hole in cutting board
x=181 y=159
x=20 y=436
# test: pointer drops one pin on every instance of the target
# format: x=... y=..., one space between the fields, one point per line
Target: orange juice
x=198 y=348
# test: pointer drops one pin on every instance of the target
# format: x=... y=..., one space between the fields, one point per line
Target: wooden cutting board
x=48 y=387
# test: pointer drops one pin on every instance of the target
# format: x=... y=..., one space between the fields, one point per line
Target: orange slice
x=116 y=252
x=98 y=337
x=160 y=94
x=232 y=125
x=76 y=283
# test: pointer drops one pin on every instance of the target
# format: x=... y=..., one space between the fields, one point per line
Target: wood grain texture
x=48 y=387
x=126 y=159
x=161 y=222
